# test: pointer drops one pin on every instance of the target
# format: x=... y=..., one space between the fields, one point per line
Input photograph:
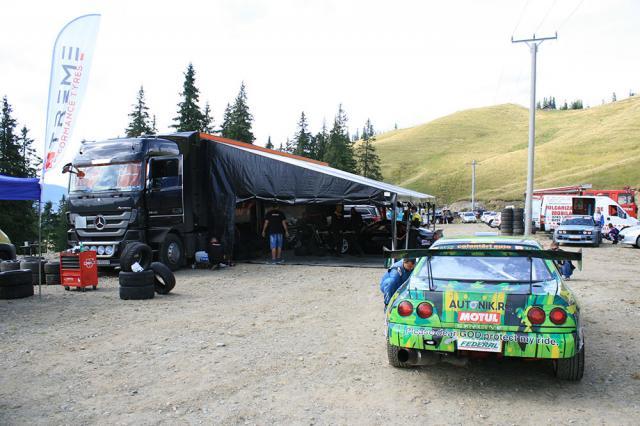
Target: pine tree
x=49 y=224
x=189 y=115
x=281 y=148
x=154 y=127
x=339 y=152
x=613 y=97
x=225 y=129
x=61 y=226
x=238 y=124
x=302 y=144
x=319 y=143
x=564 y=106
x=289 y=146
x=140 y=123
x=367 y=160
x=207 y=120
x=31 y=160
x=10 y=158
x=269 y=145
x=18 y=219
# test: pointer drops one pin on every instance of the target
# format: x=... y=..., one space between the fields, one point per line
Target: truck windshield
x=108 y=177
x=485 y=269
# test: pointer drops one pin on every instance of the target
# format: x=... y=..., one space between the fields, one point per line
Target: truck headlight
x=108 y=250
x=100 y=250
x=93 y=248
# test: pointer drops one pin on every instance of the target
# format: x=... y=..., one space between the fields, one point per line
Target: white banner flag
x=70 y=64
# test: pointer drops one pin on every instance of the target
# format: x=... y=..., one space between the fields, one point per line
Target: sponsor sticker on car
x=470 y=344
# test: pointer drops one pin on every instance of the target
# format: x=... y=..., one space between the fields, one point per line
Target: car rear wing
x=554 y=255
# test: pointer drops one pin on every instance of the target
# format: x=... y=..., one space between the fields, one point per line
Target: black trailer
x=175 y=191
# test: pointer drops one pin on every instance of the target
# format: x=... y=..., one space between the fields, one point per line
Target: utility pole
x=473 y=185
x=533 y=44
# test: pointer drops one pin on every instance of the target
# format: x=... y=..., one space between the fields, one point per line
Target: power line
x=520 y=18
x=571 y=14
x=546 y=15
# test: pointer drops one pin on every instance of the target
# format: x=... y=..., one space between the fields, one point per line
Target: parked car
x=7 y=250
x=468 y=217
x=500 y=296
x=378 y=235
x=488 y=216
x=631 y=236
x=580 y=229
x=369 y=213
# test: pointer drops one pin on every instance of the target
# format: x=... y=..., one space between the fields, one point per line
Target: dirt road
x=263 y=344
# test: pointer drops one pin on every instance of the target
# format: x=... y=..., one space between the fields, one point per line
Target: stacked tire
x=16 y=284
x=518 y=221
x=36 y=266
x=506 y=222
x=155 y=277
x=52 y=273
x=9 y=265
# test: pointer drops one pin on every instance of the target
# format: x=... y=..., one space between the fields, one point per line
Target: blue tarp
x=12 y=188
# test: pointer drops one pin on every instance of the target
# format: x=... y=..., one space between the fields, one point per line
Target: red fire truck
x=626 y=197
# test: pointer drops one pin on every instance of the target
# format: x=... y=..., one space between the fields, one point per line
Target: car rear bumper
x=628 y=239
x=508 y=344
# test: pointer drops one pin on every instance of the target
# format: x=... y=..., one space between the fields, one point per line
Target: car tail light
x=424 y=310
x=536 y=315
x=405 y=308
x=558 y=316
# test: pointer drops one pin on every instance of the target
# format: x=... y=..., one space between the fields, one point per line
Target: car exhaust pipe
x=417 y=357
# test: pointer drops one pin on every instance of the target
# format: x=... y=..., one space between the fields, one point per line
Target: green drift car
x=479 y=295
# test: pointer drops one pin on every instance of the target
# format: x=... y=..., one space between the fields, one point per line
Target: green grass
x=599 y=145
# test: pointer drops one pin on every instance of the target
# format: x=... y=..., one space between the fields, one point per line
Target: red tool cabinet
x=78 y=270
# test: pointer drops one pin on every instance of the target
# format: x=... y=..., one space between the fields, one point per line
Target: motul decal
x=479 y=317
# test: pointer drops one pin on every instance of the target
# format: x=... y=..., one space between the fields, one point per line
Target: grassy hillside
x=599 y=145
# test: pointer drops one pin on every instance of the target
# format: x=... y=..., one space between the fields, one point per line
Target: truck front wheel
x=172 y=252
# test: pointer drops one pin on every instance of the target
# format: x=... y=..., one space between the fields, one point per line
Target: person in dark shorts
x=275 y=225
x=356 y=226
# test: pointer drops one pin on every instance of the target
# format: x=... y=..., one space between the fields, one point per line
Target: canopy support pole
x=40 y=246
x=394 y=231
x=407 y=213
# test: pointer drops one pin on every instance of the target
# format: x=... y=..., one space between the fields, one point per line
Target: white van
x=554 y=208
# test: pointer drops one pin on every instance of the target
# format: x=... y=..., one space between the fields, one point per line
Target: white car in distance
x=631 y=236
x=467 y=217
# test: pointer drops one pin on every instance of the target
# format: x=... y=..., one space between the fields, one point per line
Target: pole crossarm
x=534 y=39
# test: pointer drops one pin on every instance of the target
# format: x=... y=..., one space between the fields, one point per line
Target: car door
x=164 y=191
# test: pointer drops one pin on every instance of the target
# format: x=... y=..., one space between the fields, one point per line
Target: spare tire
x=16 y=292
x=15 y=278
x=52 y=268
x=136 y=252
x=137 y=293
x=9 y=265
x=164 y=280
x=136 y=279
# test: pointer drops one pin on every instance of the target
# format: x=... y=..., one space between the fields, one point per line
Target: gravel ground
x=260 y=344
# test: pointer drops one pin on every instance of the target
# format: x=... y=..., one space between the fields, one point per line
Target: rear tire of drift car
x=172 y=252
x=135 y=252
x=571 y=369
x=392 y=354
x=638 y=242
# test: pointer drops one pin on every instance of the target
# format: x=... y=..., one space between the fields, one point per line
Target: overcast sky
x=404 y=62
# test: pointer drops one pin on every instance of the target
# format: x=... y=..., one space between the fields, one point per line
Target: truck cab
x=126 y=190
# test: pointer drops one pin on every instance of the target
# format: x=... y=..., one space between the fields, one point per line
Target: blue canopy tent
x=13 y=188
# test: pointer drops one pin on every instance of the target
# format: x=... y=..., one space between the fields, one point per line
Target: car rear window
x=485 y=269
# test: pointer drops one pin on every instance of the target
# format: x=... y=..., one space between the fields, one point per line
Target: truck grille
x=114 y=226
